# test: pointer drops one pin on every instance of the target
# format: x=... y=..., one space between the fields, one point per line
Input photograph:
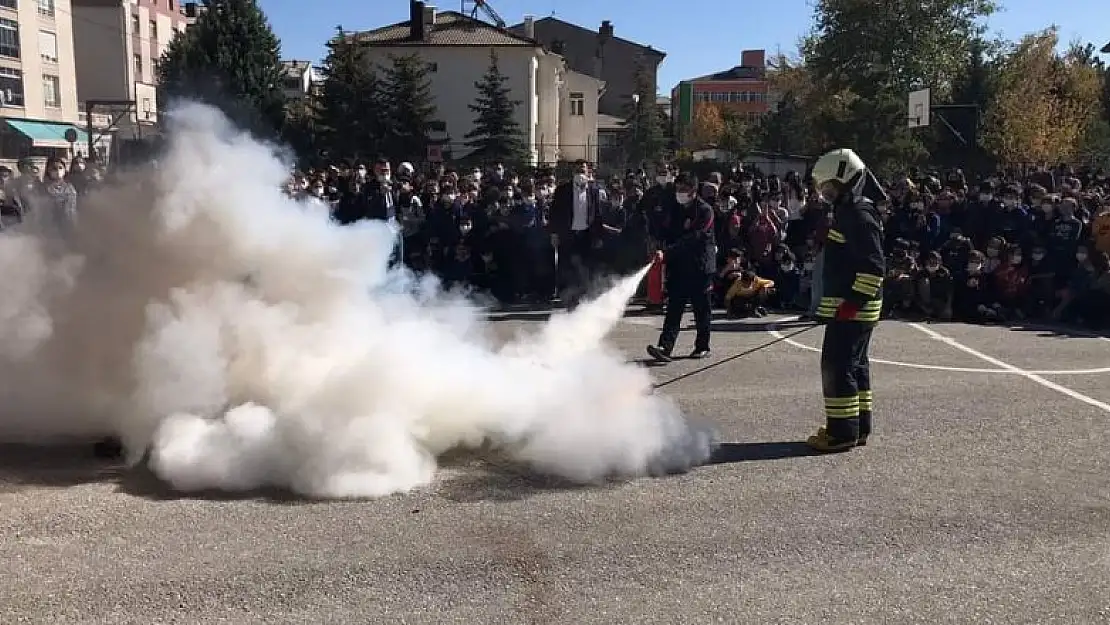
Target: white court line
x=773 y=331
x=1032 y=377
x=916 y=365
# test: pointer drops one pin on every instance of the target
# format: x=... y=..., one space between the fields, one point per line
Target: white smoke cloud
x=237 y=339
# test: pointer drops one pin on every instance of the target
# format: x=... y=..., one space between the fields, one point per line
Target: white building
x=118 y=44
x=557 y=108
x=297 y=79
x=38 y=92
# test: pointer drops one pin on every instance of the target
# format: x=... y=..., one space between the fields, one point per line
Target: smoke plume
x=237 y=339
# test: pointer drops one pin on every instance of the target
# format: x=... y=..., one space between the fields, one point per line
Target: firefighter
x=851 y=298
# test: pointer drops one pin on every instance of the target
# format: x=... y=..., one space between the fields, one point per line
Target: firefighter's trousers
x=846 y=379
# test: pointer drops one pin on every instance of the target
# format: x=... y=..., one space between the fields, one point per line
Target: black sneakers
x=698 y=354
x=659 y=354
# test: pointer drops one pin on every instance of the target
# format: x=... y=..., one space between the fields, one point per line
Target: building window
x=433 y=67
x=11 y=87
x=9 y=38
x=153 y=30
x=9 y=4
x=577 y=104
x=48 y=46
x=138 y=67
x=136 y=25
x=169 y=3
x=46 y=8
x=51 y=90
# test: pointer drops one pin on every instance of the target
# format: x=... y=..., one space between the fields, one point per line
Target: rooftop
x=451 y=28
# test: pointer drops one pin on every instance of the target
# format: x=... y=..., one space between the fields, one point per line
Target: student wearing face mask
x=934 y=289
x=1042 y=284
x=691 y=260
x=60 y=212
x=1064 y=238
x=1010 y=285
x=787 y=284
x=972 y=292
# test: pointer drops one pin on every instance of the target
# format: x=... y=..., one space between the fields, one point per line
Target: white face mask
x=476 y=176
x=917 y=205
x=318 y=191
x=383 y=177
x=985 y=197
x=361 y=172
x=808 y=266
x=663 y=179
x=465 y=228
x=1010 y=203
x=787 y=267
x=682 y=198
x=447 y=197
x=747 y=186
x=1081 y=257
x=1038 y=256
x=1015 y=260
x=931 y=268
x=581 y=179
x=975 y=268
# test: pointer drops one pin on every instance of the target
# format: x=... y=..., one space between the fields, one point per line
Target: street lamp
x=636 y=123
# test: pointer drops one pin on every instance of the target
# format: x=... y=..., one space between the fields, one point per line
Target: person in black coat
x=575 y=223
x=690 y=252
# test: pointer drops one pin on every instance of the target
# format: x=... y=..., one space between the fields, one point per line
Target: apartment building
x=38 y=92
x=743 y=89
x=118 y=44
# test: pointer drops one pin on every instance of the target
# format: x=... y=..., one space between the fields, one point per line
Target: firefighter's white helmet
x=843 y=166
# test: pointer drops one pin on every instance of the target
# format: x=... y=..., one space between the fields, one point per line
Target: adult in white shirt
x=575 y=223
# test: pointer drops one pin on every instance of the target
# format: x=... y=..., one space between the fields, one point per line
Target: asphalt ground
x=982 y=497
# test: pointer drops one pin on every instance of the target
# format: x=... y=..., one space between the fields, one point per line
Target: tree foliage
x=229 y=58
x=344 y=106
x=735 y=134
x=407 y=106
x=1045 y=103
x=643 y=126
x=497 y=136
x=895 y=45
x=706 y=127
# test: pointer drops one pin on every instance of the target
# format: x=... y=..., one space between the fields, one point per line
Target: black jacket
x=688 y=239
x=854 y=265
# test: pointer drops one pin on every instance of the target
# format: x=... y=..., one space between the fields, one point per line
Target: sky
x=700 y=37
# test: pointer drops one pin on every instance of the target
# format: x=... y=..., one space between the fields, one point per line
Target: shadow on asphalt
x=59 y=466
x=729 y=453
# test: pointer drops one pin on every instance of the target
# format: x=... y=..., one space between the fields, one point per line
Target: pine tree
x=497 y=136
x=229 y=58
x=407 y=107
x=346 y=125
x=642 y=123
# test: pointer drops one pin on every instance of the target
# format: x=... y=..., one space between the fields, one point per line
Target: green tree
x=867 y=56
x=407 y=107
x=344 y=129
x=736 y=135
x=229 y=58
x=643 y=128
x=497 y=136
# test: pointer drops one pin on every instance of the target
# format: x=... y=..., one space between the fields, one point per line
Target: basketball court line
x=773 y=330
x=1029 y=375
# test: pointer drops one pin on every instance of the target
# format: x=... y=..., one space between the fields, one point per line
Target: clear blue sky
x=699 y=36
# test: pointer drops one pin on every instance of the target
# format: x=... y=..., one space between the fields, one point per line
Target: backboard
x=918 y=109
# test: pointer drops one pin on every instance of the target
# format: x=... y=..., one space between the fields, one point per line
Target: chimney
x=606 y=31
x=416 y=20
x=429 y=18
x=529 y=27
x=753 y=58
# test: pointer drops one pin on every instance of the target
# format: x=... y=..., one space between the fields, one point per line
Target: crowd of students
x=1010 y=246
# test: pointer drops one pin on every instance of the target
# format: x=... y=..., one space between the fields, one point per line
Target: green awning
x=47 y=134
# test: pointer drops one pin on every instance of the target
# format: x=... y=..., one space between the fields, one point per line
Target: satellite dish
x=71 y=135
